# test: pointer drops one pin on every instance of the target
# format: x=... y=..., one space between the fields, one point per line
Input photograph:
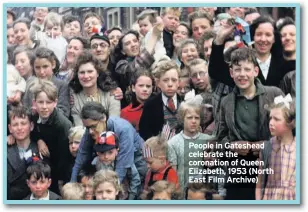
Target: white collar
x=44 y=198
x=165 y=100
x=266 y=62
x=187 y=137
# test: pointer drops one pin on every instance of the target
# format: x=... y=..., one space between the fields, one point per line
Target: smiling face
x=189 y=53
x=288 y=38
x=264 y=38
x=100 y=49
x=88 y=25
x=73 y=50
x=244 y=74
x=20 y=128
x=87 y=75
x=181 y=33
x=22 y=35
x=106 y=191
x=131 y=45
x=44 y=106
x=114 y=37
x=22 y=64
x=87 y=185
x=40 y=14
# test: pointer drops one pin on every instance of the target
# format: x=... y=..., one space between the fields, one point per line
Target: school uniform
x=50 y=196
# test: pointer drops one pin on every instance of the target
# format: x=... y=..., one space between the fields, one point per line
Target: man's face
x=40 y=14
x=199 y=26
x=100 y=49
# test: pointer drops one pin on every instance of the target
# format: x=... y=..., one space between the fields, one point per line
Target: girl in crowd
x=22 y=35
x=162 y=190
x=91 y=84
x=181 y=33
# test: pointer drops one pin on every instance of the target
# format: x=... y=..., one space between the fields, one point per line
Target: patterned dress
x=281 y=184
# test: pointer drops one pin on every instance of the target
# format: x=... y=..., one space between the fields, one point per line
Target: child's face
x=43 y=68
x=114 y=37
x=106 y=191
x=288 y=38
x=264 y=38
x=199 y=76
x=87 y=187
x=22 y=64
x=197 y=195
x=199 y=26
x=191 y=121
x=107 y=157
x=73 y=50
x=20 y=128
x=169 y=82
x=171 y=21
x=87 y=75
x=53 y=31
x=184 y=87
x=89 y=23
x=21 y=32
x=40 y=14
x=179 y=35
x=71 y=29
x=100 y=49
x=189 y=53
x=73 y=146
x=143 y=88
x=155 y=163
x=39 y=187
x=131 y=45
x=145 y=25
x=44 y=106
x=244 y=74
x=278 y=125
x=10 y=36
x=164 y=195
x=207 y=45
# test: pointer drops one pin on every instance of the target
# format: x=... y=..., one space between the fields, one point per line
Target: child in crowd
x=92 y=22
x=279 y=154
x=162 y=109
x=74 y=137
x=162 y=190
x=155 y=154
x=200 y=191
x=71 y=27
x=107 y=149
x=142 y=88
x=39 y=181
x=73 y=191
x=184 y=84
x=106 y=185
x=52 y=37
x=85 y=178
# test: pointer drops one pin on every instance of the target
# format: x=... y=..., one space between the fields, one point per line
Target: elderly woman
x=91 y=84
x=187 y=51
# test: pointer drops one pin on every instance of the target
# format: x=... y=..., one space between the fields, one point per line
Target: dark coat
x=52 y=196
x=17 y=187
x=152 y=118
x=168 y=43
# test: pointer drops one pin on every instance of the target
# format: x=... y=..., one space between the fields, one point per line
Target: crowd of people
x=106 y=114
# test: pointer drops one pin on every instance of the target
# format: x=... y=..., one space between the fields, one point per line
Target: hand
x=43 y=149
x=158 y=28
x=239 y=150
x=10 y=140
x=225 y=30
x=15 y=98
x=118 y=94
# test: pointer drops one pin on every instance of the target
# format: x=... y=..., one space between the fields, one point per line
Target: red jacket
x=132 y=114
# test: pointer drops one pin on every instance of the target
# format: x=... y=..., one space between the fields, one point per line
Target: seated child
x=73 y=191
x=39 y=180
x=106 y=185
x=155 y=151
x=162 y=190
x=107 y=150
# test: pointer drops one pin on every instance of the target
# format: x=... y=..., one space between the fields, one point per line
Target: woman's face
x=73 y=50
x=288 y=38
x=131 y=45
x=22 y=64
x=180 y=34
x=114 y=37
x=264 y=38
x=189 y=53
x=87 y=75
x=22 y=36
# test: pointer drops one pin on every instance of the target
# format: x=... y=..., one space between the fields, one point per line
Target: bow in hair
x=192 y=97
x=285 y=100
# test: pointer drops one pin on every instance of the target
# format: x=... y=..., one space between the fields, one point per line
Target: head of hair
x=183 y=44
x=53 y=19
x=251 y=10
x=195 y=62
x=107 y=176
x=45 y=86
x=10 y=11
x=72 y=191
x=43 y=52
x=92 y=14
x=286 y=21
x=26 y=21
x=164 y=67
x=28 y=52
x=243 y=54
x=184 y=73
x=39 y=169
x=186 y=25
x=76 y=133
x=184 y=108
x=207 y=189
x=86 y=171
x=104 y=81
x=9 y=26
x=199 y=14
x=94 y=111
x=172 y=10
x=69 y=19
x=114 y=28
x=158 y=145
x=85 y=42
x=119 y=48
x=205 y=37
x=163 y=186
x=261 y=20
x=150 y=14
x=140 y=73
x=19 y=112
